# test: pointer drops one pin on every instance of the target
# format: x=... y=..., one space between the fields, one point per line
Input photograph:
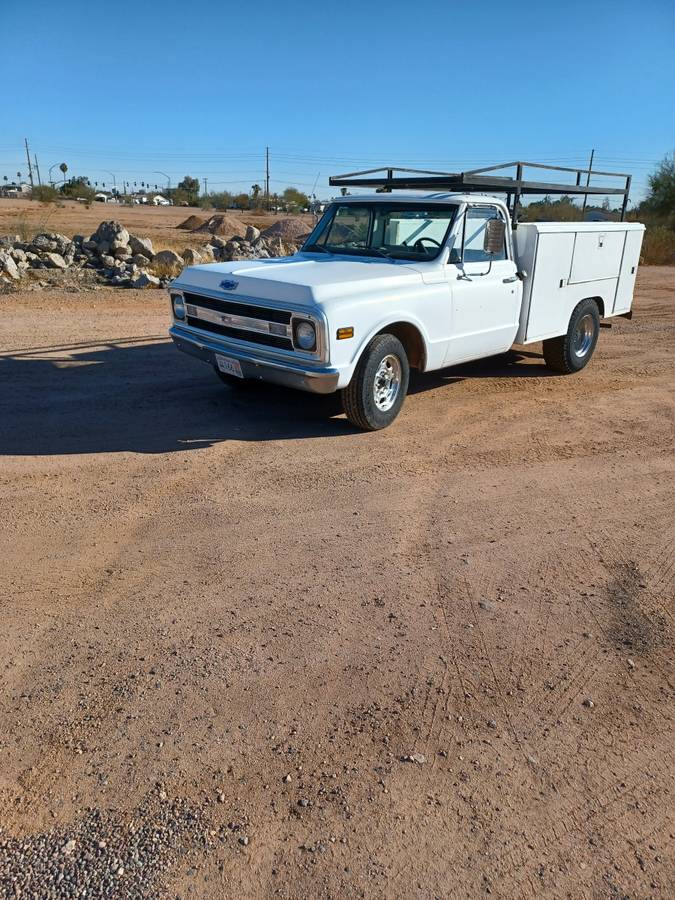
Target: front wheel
x=572 y=351
x=375 y=395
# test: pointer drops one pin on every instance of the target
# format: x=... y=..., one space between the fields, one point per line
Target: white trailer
x=386 y=283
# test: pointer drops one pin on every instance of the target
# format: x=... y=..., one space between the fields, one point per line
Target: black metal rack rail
x=484 y=181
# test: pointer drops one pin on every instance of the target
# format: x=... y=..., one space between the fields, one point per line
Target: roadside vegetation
x=657 y=212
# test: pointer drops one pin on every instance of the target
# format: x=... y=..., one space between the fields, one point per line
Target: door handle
x=510 y=280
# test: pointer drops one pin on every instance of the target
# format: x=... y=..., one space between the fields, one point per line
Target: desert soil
x=249 y=651
x=159 y=223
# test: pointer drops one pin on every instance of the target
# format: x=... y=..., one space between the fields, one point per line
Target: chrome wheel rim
x=387 y=382
x=582 y=337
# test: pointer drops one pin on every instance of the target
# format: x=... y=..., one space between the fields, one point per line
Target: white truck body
x=447 y=310
x=569 y=261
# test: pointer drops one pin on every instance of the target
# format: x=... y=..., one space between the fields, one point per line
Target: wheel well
x=412 y=340
x=600 y=303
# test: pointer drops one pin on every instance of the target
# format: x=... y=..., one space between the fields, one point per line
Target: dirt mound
x=223 y=225
x=289 y=230
x=191 y=223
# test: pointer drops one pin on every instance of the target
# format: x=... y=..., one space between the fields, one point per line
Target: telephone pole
x=37 y=169
x=30 y=167
x=267 y=177
x=205 y=180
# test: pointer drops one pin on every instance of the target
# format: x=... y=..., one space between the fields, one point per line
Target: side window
x=477 y=218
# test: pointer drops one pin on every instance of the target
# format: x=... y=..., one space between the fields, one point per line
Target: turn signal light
x=344 y=333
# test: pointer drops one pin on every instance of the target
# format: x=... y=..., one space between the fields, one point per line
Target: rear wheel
x=572 y=351
x=375 y=395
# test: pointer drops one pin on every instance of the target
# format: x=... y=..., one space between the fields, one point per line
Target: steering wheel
x=419 y=246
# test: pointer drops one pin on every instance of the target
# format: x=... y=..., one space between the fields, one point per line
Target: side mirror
x=495 y=230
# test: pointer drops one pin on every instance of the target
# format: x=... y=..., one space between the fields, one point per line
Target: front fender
x=346 y=354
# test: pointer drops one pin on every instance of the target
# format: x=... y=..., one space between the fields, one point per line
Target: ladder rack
x=390 y=178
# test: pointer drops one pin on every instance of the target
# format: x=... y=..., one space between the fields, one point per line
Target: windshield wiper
x=316 y=248
x=379 y=251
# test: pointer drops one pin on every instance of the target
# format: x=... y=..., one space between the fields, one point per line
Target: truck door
x=486 y=292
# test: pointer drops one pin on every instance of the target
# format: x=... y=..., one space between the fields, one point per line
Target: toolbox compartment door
x=547 y=312
x=597 y=256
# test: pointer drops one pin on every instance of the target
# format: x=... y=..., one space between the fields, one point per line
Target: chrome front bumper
x=316 y=380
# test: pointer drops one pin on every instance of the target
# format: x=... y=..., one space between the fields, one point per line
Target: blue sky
x=202 y=88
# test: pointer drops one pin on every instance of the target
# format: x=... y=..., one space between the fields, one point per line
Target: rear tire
x=571 y=352
x=375 y=395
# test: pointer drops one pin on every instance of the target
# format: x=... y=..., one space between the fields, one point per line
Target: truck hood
x=299 y=279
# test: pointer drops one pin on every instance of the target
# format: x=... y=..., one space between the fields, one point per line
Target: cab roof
x=417 y=197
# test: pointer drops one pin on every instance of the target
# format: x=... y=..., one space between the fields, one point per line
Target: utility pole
x=205 y=180
x=30 y=167
x=37 y=169
x=588 y=180
x=267 y=177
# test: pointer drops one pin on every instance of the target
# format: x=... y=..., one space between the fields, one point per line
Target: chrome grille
x=241 y=321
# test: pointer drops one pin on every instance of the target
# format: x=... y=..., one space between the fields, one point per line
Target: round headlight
x=305 y=336
x=178 y=306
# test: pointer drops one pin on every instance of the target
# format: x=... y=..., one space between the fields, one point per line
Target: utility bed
x=569 y=261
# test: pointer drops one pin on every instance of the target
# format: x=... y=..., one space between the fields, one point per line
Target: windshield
x=396 y=230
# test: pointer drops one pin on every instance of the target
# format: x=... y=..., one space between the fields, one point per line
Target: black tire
x=358 y=398
x=571 y=352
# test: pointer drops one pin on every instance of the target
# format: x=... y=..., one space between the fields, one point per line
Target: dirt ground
x=28 y=217
x=248 y=651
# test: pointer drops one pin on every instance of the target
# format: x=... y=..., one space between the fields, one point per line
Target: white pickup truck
x=387 y=283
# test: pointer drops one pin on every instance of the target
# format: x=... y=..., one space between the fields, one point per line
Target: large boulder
x=252 y=233
x=8 y=267
x=63 y=243
x=167 y=262
x=141 y=245
x=144 y=280
x=112 y=233
x=54 y=261
x=42 y=243
x=191 y=257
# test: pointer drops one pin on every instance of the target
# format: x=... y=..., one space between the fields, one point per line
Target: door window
x=476 y=219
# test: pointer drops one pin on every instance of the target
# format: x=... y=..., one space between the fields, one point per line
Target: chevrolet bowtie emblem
x=227 y=285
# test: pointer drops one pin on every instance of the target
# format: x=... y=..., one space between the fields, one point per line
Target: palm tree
x=255 y=190
x=64 y=169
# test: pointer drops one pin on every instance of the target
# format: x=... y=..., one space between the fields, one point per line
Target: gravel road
x=247 y=651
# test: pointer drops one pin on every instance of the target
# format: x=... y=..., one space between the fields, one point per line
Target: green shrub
x=658 y=247
x=45 y=193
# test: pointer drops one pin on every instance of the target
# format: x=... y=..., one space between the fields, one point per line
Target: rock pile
x=253 y=245
x=118 y=257
x=125 y=260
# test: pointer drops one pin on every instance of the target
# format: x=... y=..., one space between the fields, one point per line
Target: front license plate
x=229 y=366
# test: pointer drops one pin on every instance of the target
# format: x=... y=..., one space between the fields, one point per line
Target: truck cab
x=386 y=283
